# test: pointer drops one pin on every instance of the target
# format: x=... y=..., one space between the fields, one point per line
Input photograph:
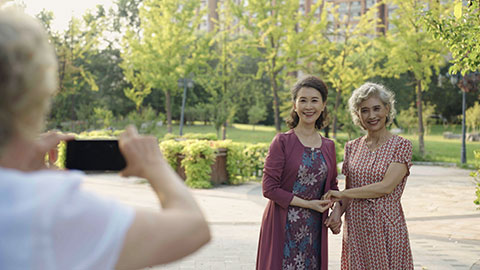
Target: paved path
x=443 y=222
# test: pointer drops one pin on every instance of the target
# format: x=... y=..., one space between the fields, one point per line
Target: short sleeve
x=84 y=230
x=346 y=156
x=403 y=153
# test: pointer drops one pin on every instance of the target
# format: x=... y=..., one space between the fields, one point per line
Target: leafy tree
x=219 y=77
x=411 y=49
x=167 y=49
x=349 y=58
x=279 y=32
x=256 y=114
x=75 y=49
x=127 y=15
x=458 y=31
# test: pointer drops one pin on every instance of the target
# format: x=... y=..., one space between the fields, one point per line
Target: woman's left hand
x=45 y=143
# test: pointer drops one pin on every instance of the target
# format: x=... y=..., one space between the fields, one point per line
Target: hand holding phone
x=94 y=155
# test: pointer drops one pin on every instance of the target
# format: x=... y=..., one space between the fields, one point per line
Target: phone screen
x=94 y=155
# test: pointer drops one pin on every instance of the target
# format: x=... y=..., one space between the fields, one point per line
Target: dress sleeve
x=346 y=156
x=403 y=154
x=87 y=232
x=272 y=174
x=333 y=157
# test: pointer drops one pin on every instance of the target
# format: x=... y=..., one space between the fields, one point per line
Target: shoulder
x=41 y=188
x=284 y=137
x=354 y=143
x=402 y=142
x=328 y=142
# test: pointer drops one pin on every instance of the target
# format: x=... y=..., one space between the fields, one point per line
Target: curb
x=476 y=266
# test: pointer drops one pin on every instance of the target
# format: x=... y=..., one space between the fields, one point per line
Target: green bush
x=199 y=157
x=171 y=149
x=145 y=120
x=200 y=136
x=244 y=160
x=191 y=136
x=255 y=155
x=235 y=161
x=473 y=117
x=102 y=117
x=476 y=177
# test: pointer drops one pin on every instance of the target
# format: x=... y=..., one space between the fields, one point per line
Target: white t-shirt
x=48 y=222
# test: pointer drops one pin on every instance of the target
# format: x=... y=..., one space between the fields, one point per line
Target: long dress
x=303 y=227
x=279 y=176
x=375 y=232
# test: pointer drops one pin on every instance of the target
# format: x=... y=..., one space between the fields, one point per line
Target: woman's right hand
x=141 y=153
x=320 y=205
x=334 y=222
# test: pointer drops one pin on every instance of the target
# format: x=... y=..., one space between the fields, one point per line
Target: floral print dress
x=303 y=227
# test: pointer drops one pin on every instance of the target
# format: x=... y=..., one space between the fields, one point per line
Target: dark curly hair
x=315 y=83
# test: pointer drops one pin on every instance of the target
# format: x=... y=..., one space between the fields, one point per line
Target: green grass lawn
x=437 y=148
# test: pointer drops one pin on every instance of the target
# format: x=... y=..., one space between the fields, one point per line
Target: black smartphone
x=94 y=155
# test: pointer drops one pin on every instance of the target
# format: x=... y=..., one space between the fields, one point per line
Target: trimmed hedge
x=244 y=161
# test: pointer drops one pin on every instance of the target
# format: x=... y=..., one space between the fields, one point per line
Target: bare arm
x=317 y=205
x=393 y=177
x=176 y=231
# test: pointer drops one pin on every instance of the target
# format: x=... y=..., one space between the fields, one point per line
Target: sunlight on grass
x=250 y=127
x=438 y=149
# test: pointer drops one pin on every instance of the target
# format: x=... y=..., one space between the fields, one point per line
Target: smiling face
x=308 y=105
x=373 y=114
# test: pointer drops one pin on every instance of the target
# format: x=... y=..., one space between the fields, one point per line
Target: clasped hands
x=334 y=221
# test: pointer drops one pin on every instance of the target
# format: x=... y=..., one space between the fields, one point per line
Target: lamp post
x=454 y=78
x=185 y=82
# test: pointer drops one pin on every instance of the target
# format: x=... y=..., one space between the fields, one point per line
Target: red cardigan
x=279 y=175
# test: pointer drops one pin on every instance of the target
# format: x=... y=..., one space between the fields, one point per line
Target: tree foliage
x=167 y=49
x=410 y=49
x=458 y=30
x=280 y=35
x=349 y=56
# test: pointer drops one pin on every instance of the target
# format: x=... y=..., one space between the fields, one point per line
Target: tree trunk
x=421 y=144
x=335 y=112
x=224 y=133
x=168 y=108
x=276 y=110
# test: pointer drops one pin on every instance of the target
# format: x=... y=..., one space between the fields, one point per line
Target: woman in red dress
x=300 y=167
x=376 y=167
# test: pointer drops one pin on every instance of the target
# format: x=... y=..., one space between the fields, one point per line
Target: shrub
x=171 y=149
x=473 y=117
x=476 y=177
x=235 y=161
x=255 y=155
x=200 y=136
x=102 y=117
x=199 y=157
x=408 y=119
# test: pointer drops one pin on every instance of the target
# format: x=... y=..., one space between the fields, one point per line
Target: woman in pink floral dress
x=376 y=167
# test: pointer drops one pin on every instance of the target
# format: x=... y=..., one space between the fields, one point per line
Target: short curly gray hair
x=366 y=91
x=28 y=75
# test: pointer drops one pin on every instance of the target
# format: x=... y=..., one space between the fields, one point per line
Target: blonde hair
x=366 y=91
x=28 y=75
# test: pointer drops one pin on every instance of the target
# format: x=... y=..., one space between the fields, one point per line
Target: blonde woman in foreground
x=46 y=220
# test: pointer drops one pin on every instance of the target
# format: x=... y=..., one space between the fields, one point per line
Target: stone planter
x=219 y=173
